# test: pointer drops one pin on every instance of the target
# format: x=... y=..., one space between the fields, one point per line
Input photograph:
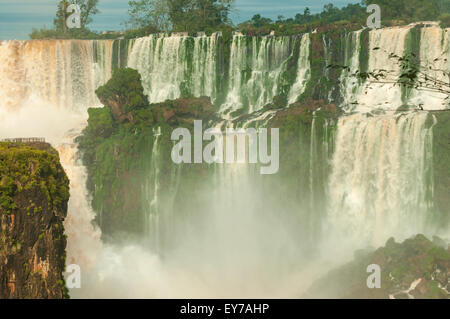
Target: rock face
x=415 y=269
x=34 y=191
x=118 y=155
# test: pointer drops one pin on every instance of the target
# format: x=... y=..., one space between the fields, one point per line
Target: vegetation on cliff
x=34 y=191
x=416 y=268
x=352 y=16
x=23 y=168
x=123 y=93
x=61 y=31
x=117 y=146
x=153 y=16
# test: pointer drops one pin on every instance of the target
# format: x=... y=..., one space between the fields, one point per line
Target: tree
x=61 y=16
x=411 y=10
x=198 y=15
x=145 y=13
x=88 y=9
x=259 y=21
x=307 y=14
x=123 y=93
x=280 y=19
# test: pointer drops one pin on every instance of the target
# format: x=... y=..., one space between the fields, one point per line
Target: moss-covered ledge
x=34 y=191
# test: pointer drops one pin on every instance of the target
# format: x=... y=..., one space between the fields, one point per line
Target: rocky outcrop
x=34 y=192
x=122 y=94
x=415 y=269
x=184 y=110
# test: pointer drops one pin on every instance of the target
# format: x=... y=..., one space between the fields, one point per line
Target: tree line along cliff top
x=147 y=17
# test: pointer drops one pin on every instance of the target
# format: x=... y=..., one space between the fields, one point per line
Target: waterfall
x=204 y=73
x=350 y=85
x=256 y=65
x=364 y=96
x=63 y=73
x=320 y=152
x=174 y=66
x=382 y=43
x=377 y=184
x=84 y=243
x=46 y=89
x=380 y=181
x=161 y=63
x=434 y=56
x=151 y=189
x=303 y=70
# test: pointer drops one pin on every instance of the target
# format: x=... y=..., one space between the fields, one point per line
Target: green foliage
x=401 y=264
x=140 y=32
x=352 y=13
x=392 y=11
x=198 y=15
x=445 y=20
x=24 y=168
x=411 y=10
x=152 y=16
x=83 y=33
x=124 y=88
x=148 y=13
x=259 y=21
x=88 y=9
x=60 y=31
x=100 y=122
x=61 y=16
x=117 y=152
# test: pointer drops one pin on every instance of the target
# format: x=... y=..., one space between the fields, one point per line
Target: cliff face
x=119 y=156
x=441 y=165
x=34 y=191
x=415 y=269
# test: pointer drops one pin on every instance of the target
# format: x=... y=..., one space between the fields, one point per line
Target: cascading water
x=350 y=85
x=151 y=188
x=173 y=66
x=380 y=182
x=63 y=73
x=364 y=96
x=435 y=57
x=320 y=152
x=170 y=67
x=303 y=70
x=46 y=89
x=84 y=241
x=382 y=43
x=204 y=70
x=256 y=65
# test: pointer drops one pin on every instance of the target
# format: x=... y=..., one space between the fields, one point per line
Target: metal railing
x=24 y=140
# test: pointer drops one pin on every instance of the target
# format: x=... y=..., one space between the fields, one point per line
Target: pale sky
x=18 y=17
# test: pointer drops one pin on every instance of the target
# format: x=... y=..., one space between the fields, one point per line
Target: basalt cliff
x=34 y=192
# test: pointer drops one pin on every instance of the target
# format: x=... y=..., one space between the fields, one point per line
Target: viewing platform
x=24 y=140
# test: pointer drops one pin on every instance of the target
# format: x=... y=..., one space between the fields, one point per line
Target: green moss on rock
x=417 y=260
x=34 y=191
